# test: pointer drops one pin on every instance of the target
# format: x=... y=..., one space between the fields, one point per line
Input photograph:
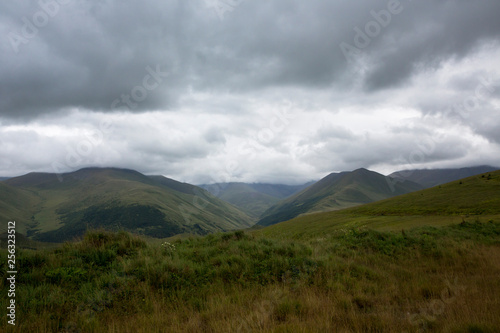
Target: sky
x=283 y=91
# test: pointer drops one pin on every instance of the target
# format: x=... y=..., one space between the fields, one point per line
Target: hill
x=337 y=191
x=474 y=198
x=254 y=199
x=115 y=199
x=433 y=177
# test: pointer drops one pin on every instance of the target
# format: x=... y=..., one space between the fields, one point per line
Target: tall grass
x=439 y=279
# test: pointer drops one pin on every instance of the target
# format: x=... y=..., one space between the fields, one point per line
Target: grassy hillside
x=433 y=177
x=254 y=199
x=17 y=205
x=337 y=191
x=426 y=279
x=476 y=197
x=118 y=199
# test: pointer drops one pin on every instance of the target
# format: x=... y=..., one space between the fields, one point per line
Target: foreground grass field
x=444 y=279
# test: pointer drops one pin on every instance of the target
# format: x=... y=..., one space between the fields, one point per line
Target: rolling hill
x=337 y=191
x=254 y=199
x=114 y=199
x=475 y=198
x=433 y=177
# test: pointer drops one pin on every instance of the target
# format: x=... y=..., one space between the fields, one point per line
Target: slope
x=254 y=199
x=114 y=199
x=470 y=199
x=337 y=191
x=16 y=205
x=433 y=177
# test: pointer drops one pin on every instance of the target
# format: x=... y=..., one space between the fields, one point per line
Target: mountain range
x=48 y=209
x=433 y=177
x=337 y=191
x=55 y=208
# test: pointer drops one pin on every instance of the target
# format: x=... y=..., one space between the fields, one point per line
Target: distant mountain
x=471 y=199
x=3 y=178
x=337 y=191
x=114 y=199
x=433 y=177
x=253 y=198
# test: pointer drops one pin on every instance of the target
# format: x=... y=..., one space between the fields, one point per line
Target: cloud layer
x=282 y=91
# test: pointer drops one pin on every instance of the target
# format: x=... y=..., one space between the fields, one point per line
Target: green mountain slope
x=337 y=191
x=433 y=177
x=122 y=199
x=254 y=199
x=17 y=205
x=469 y=199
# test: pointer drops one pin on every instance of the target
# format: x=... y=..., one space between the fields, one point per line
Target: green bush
x=67 y=274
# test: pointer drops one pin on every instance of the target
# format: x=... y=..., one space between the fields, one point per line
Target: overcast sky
x=281 y=91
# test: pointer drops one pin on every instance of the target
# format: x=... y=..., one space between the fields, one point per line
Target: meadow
x=355 y=279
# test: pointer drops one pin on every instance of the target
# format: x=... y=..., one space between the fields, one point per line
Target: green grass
x=354 y=280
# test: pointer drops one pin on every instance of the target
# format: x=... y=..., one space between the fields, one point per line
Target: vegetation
x=356 y=280
x=337 y=191
x=57 y=211
x=152 y=222
x=474 y=198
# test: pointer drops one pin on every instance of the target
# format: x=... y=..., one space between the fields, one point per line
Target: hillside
x=16 y=205
x=254 y=199
x=433 y=177
x=118 y=199
x=337 y=191
x=473 y=198
x=421 y=280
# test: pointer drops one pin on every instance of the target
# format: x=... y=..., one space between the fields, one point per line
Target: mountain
x=471 y=199
x=337 y=191
x=255 y=198
x=3 y=178
x=114 y=199
x=433 y=177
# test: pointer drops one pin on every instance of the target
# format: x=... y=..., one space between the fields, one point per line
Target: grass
x=352 y=280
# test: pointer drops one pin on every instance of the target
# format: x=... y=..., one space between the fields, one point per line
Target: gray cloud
x=90 y=53
x=183 y=86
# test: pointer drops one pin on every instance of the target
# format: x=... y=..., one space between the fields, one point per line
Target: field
x=354 y=280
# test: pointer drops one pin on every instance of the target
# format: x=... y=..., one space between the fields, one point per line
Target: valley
x=422 y=260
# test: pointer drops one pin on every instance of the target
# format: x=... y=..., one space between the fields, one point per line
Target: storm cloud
x=278 y=91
